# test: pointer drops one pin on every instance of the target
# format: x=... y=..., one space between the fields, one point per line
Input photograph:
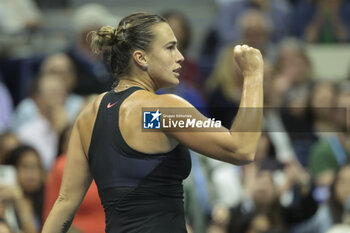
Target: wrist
x=253 y=79
x=252 y=75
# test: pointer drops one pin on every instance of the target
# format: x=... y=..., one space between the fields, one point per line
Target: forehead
x=60 y=60
x=163 y=34
x=28 y=156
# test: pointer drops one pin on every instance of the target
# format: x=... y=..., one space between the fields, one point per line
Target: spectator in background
x=92 y=74
x=6 y=106
x=277 y=13
x=8 y=142
x=322 y=99
x=62 y=67
x=257 y=23
x=224 y=87
x=42 y=131
x=18 y=20
x=292 y=68
x=90 y=217
x=227 y=180
x=16 y=16
x=321 y=21
x=28 y=196
x=333 y=211
x=264 y=192
x=255 y=222
x=255 y=30
x=330 y=154
x=286 y=97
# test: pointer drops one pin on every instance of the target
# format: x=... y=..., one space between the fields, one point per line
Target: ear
x=140 y=59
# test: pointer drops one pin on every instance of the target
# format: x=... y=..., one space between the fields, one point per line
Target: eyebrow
x=170 y=43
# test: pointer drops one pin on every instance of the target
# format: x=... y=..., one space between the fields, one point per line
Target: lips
x=177 y=71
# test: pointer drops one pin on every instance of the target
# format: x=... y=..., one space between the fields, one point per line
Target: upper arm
x=76 y=176
x=218 y=143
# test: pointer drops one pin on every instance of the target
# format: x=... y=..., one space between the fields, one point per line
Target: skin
x=50 y=100
x=29 y=172
x=4 y=228
x=154 y=69
x=342 y=187
x=60 y=65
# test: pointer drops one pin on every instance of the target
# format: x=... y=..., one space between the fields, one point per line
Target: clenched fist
x=249 y=60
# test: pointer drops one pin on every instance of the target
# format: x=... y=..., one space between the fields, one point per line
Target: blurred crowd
x=300 y=181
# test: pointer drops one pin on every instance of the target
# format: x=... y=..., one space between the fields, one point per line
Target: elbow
x=241 y=159
x=242 y=151
x=246 y=160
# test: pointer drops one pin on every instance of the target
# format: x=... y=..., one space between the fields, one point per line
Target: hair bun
x=107 y=33
x=105 y=36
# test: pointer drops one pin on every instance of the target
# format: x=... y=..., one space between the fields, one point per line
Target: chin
x=174 y=82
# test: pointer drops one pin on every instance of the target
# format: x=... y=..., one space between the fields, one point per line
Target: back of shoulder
x=89 y=111
x=149 y=99
x=85 y=122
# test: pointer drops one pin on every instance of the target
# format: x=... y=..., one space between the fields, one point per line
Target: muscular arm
x=238 y=144
x=75 y=183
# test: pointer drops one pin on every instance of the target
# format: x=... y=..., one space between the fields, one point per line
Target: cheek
x=160 y=68
x=156 y=71
x=29 y=177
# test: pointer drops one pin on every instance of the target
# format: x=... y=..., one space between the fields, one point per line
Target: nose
x=179 y=57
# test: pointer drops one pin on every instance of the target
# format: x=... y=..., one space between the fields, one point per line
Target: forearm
x=60 y=217
x=248 y=122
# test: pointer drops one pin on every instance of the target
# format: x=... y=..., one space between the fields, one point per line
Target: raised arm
x=75 y=183
x=238 y=144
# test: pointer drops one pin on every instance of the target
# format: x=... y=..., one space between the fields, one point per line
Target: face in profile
x=163 y=58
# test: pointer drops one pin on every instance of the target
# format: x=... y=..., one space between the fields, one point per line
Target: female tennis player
x=139 y=174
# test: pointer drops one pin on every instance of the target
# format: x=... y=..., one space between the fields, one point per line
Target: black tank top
x=139 y=192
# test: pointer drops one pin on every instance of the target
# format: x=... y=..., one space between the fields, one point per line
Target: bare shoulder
x=86 y=119
x=131 y=118
x=149 y=99
x=90 y=110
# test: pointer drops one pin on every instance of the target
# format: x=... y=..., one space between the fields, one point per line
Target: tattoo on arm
x=66 y=225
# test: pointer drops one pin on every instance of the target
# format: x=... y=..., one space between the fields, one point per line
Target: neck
x=139 y=80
